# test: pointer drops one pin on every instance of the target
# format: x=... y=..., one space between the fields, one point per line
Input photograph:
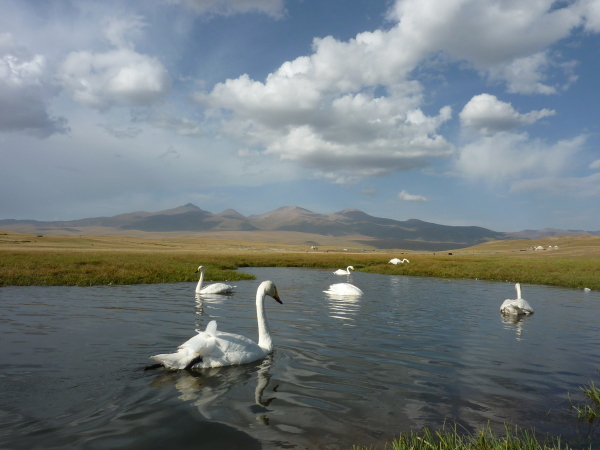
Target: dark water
x=412 y=352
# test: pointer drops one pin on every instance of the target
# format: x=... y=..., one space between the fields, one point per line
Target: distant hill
x=362 y=228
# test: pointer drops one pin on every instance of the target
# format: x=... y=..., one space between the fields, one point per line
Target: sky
x=457 y=112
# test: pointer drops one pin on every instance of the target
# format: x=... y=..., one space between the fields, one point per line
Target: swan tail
x=211 y=328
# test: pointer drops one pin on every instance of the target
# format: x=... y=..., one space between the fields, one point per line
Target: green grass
x=574 y=272
x=485 y=439
x=77 y=267
x=102 y=268
x=589 y=411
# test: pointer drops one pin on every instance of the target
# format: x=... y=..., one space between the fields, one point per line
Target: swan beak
x=276 y=297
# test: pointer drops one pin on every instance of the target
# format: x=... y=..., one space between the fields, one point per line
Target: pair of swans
x=216 y=288
x=398 y=261
x=214 y=348
x=518 y=306
x=344 y=289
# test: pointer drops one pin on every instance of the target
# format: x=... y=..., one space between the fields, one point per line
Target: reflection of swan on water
x=515 y=321
x=398 y=261
x=207 y=388
x=343 y=289
x=212 y=348
x=344 y=272
x=216 y=288
x=516 y=306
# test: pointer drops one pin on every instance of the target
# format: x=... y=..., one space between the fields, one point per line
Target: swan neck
x=264 y=335
x=519 y=299
x=199 y=285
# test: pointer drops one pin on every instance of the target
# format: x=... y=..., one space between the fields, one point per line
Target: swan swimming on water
x=344 y=272
x=216 y=288
x=343 y=289
x=212 y=348
x=516 y=306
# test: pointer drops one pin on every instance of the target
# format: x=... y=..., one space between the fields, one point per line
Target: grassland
x=91 y=260
x=449 y=438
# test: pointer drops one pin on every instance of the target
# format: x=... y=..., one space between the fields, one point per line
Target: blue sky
x=458 y=112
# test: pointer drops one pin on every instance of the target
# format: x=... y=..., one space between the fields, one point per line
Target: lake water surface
x=412 y=352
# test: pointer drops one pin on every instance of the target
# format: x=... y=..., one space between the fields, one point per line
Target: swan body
x=398 y=261
x=516 y=306
x=213 y=348
x=344 y=272
x=216 y=288
x=344 y=289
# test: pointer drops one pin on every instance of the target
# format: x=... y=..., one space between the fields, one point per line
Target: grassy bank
x=485 y=439
x=94 y=260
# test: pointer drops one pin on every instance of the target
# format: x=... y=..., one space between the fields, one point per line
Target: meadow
x=27 y=260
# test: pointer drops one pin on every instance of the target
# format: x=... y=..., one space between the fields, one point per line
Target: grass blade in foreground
x=485 y=439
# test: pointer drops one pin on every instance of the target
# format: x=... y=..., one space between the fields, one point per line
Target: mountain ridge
x=367 y=230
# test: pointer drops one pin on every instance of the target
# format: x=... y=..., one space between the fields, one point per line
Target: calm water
x=412 y=352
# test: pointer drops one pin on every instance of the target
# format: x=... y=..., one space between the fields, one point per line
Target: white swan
x=216 y=288
x=344 y=272
x=516 y=306
x=398 y=261
x=343 y=289
x=212 y=348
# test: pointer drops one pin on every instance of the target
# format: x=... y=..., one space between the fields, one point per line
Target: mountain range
x=363 y=228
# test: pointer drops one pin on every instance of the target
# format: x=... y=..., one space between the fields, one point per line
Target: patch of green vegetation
x=70 y=267
x=102 y=268
x=589 y=411
x=485 y=439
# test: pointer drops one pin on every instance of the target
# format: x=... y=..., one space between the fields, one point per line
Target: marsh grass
x=69 y=260
x=484 y=439
x=589 y=411
x=102 y=268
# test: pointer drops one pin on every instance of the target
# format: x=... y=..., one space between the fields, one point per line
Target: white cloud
x=117 y=77
x=272 y=8
x=320 y=110
x=595 y=164
x=509 y=156
x=487 y=115
x=121 y=31
x=25 y=90
x=405 y=196
x=569 y=187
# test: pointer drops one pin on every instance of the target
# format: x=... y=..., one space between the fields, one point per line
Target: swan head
x=350 y=268
x=200 y=269
x=270 y=289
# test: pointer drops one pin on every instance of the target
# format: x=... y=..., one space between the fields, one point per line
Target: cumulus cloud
x=25 y=90
x=405 y=196
x=507 y=156
x=117 y=77
x=595 y=164
x=486 y=115
x=272 y=8
x=321 y=111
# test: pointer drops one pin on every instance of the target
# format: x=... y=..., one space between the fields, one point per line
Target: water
x=412 y=352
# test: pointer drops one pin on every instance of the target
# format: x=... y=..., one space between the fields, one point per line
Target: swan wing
x=204 y=343
x=231 y=349
x=340 y=272
x=217 y=288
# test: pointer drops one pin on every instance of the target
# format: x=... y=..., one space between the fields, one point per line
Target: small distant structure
x=314 y=247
